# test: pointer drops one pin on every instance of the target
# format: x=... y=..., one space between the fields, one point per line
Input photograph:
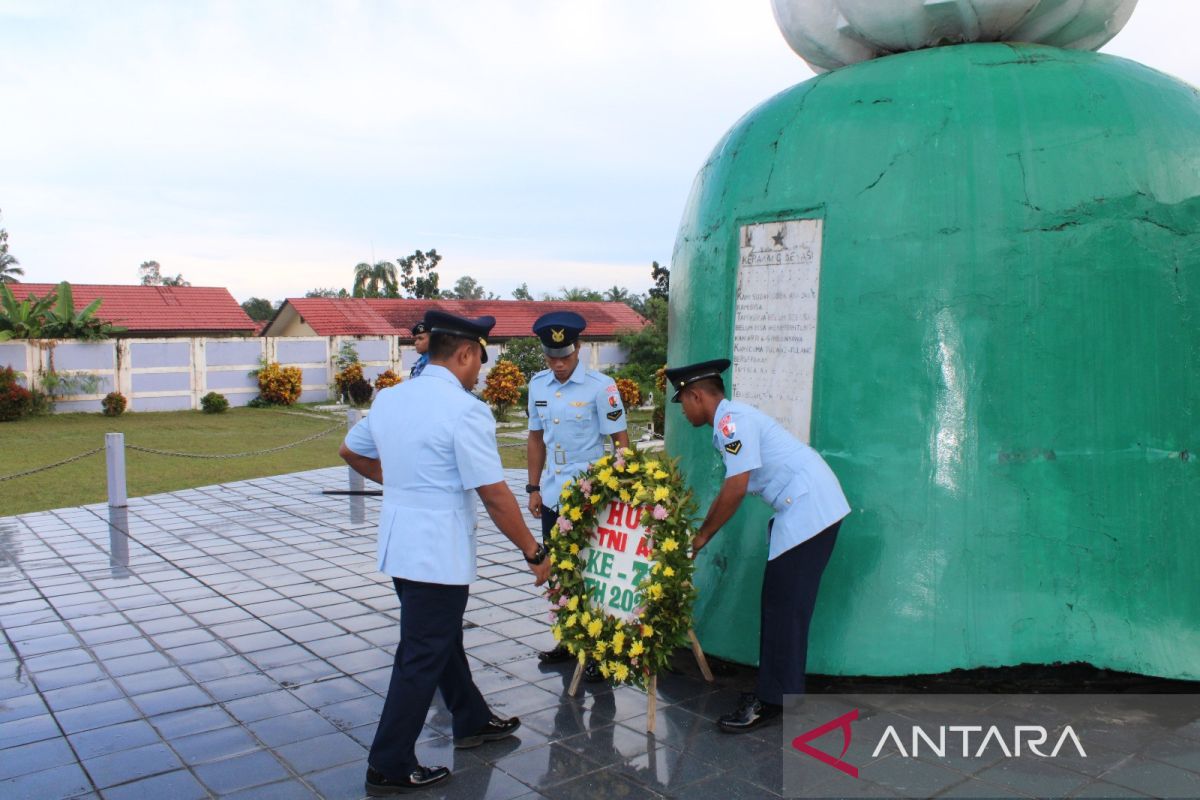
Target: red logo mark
x=801 y=742
x=726 y=426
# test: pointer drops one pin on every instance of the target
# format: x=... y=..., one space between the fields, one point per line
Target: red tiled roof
x=329 y=316
x=155 y=308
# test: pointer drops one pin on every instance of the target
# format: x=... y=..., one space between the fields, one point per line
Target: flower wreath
x=628 y=652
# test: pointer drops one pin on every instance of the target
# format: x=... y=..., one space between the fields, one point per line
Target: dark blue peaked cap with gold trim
x=682 y=377
x=462 y=327
x=559 y=330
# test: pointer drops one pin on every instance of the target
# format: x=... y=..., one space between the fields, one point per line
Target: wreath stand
x=652 y=685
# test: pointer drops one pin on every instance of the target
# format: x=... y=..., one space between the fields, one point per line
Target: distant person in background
x=420 y=334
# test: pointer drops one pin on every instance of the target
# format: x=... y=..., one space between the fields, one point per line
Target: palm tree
x=370 y=278
x=8 y=263
x=616 y=294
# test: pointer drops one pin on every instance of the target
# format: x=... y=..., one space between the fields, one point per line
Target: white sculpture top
x=833 y=33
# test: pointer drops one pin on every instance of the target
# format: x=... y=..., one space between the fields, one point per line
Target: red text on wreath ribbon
x=617 y=559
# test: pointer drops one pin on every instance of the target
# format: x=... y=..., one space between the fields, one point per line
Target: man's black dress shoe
x=750 y=714
x=495 y=728
x=380 y=785
x=556 y=656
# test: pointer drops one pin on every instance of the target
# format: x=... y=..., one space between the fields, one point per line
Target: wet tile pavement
x=234 y=641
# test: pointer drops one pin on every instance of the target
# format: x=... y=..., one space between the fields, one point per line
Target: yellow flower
x=601 y=649
x=651 y=466
x=657 y=566
x=638 y=487
x=603 y=475
x=670 y=545
x=566 y=564
x=636 y=649
x=576 y=514
x=661 y=493
x=582 y=656
x=632 y=468
x=600 y=462
x=564 y=509
x=557 y=631
x=571 y=620
x=620 y=671
x=574 y=551
x=659 y=475
x=619 y=467
x=604 y=670
x=565 y=494
x=612 y=483
x=655 y=591
x=625 y=496
x=627 y=451
x=573 y=604
x=594 y=499
x=586 y=618
x=647 y=631
x=595 y=626
x=668 y=572
x=618 y=642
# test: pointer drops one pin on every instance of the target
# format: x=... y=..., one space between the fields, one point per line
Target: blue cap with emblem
x=420 y=328
x=559 y=330
x=682 y=377
x=462 y=327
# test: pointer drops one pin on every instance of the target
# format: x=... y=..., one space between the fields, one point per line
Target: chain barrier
x=36 y=470
x=155 y=451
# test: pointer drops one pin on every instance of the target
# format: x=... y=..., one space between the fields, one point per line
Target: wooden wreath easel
x=652 y=686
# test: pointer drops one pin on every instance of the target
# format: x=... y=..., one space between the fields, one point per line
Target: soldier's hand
x=699 y=541
x=535 y=504
x=541 y=572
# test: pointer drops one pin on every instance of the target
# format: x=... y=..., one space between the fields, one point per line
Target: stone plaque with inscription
x=775 y=321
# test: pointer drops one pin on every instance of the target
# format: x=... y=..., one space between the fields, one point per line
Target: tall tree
x=467 y=288
x=331 y=292
x=662 y=281
x=8 y=263
x=616 y=294
x=578 y=294
x=375 y=280
x=259 y=309
x=151 y=274
x=522 y=292
x=418 y=274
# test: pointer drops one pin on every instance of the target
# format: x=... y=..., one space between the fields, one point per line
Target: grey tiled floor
x=237 y=641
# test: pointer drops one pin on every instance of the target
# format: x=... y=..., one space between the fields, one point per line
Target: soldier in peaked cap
x=761 y=457
x=571 y=410
x=420 y=333
x=433 y=447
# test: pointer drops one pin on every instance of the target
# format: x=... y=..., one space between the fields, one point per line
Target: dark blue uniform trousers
x=429 y=656
x=789 y=594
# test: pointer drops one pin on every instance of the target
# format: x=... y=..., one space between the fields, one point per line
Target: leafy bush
x=113 y=404
x=503 y=386
x=631 y=394
x=351 y=373
x=214 y=403
x=278 y=385
x=526 y=354
x=385 y=379
x=15 y=400
x=360 y=392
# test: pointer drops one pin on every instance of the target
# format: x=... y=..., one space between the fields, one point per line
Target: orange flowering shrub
x=385 y=379
x=279 y=385
x=660 y=379
x=503 y=386
x=351 y=374
x=631 y=395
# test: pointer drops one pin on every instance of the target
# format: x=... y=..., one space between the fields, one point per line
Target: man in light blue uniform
x=420 y=334
x=571 y=410
x=432 y=445
x=763 y=458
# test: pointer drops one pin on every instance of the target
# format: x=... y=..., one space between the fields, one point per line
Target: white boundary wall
x=173 y=374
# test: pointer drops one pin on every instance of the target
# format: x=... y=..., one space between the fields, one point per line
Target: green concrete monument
x=963 y=262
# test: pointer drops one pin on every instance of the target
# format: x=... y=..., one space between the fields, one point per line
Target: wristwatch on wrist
x=530 y=488
x=539 y=555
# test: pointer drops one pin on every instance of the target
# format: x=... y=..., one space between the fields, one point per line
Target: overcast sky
x=270 y=146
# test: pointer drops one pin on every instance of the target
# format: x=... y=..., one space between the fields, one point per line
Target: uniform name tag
x=540 y=403
x=733 y=448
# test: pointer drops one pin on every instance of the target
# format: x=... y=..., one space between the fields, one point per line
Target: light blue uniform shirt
x=574 y=418
x=786 y=473
x=437 y=444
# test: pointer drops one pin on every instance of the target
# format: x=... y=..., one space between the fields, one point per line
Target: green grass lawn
x=37 y=441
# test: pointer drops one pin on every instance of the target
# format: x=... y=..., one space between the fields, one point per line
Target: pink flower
x=659 y=512
x=620 y=462
x=564 y=524
x=562 y=601
x=586 y=486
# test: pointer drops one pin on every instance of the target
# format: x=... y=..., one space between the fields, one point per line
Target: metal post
x=355 y=483
x=114 y=455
